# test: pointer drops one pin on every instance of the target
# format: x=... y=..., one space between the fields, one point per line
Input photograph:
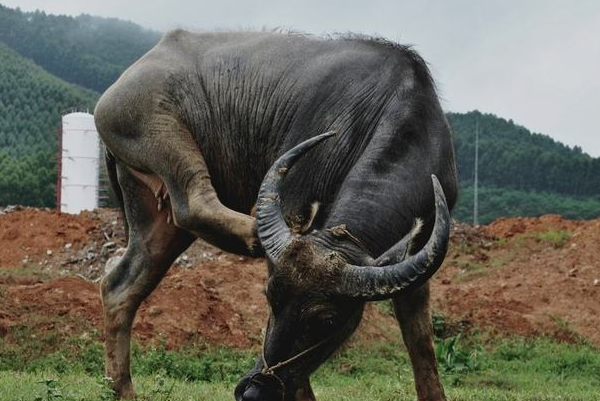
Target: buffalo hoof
x=123 y=390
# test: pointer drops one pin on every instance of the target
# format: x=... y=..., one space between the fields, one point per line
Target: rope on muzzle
x=267 y=374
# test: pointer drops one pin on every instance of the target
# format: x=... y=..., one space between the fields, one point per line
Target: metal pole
x=476 y=183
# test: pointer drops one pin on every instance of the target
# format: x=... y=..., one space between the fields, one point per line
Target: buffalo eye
x=322 y=324
x=319 y=322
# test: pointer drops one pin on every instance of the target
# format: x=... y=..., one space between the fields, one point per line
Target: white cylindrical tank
x=80 y=163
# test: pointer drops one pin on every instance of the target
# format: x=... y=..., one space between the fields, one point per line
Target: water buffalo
x=344 y=218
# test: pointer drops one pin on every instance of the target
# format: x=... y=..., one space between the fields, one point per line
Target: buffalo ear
x=402 y=248
x=314 y=209
x=380 y=282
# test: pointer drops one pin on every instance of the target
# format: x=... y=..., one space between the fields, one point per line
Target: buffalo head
x=316 y=297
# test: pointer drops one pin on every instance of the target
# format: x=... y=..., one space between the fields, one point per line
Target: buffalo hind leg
x=171 y=153
x=196 y=206
x=153 y=246
x=412 y=312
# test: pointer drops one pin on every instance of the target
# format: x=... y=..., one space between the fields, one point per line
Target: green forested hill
x=522 y=173
x=510 y=156
x=85 y=50
x=31 y=103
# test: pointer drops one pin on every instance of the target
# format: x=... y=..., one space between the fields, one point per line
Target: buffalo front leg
x=412 y=312
x=153 y=246
x=305 y=393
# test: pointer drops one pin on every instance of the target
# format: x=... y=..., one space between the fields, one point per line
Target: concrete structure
x=79 y=164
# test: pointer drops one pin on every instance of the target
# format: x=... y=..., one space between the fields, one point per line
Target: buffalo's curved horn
x=273 y=232
x=381 y=282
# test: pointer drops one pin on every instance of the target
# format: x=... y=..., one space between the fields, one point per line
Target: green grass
x=558 y=238
x=500 y=370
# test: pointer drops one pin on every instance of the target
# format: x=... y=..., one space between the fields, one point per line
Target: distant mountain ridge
x=51 y=63
x=84 y=50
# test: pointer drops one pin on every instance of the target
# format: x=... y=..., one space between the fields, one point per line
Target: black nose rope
x=269 y=372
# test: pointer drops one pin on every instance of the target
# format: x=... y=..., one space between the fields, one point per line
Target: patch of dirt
x=182 y=310
x=27 y=235
x=208 y=296
x=218 y=302
x=509 y=227
x=526 y=276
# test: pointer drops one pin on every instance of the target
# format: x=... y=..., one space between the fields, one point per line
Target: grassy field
x=496 y=370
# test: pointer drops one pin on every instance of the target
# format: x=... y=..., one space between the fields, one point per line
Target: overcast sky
x=536 y=62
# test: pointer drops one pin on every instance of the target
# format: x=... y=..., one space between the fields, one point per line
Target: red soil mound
x=208 y=296
x=509 y=227
x=527 y=276
x=30 y=233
